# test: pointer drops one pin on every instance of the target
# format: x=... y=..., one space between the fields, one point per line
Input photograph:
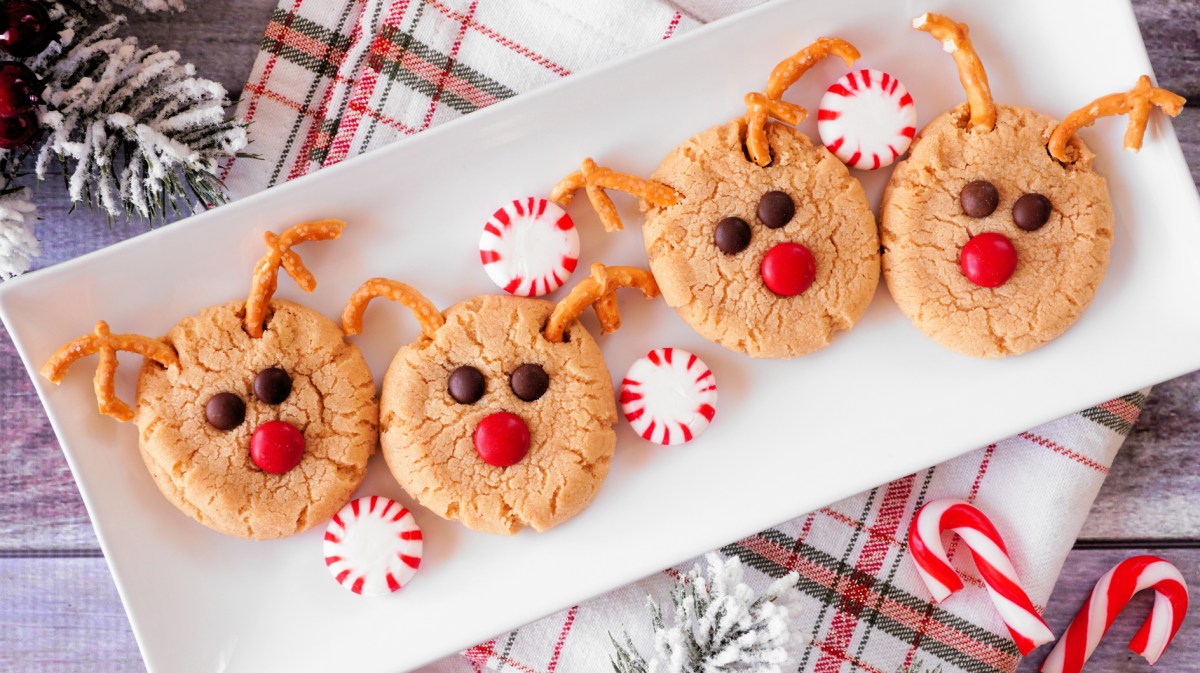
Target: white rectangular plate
x=789 y=436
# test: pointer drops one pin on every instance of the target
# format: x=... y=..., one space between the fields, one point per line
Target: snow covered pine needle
x=137 y=133
x=18 y=245
x=718 y=625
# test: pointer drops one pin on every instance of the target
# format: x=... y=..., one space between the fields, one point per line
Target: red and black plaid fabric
x=865 y=607
x=338 y=78
x=335 y=79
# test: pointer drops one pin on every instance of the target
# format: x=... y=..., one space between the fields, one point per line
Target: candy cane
x=1111 y=594
x=991 y=558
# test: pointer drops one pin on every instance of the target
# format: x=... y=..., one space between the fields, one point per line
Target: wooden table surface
x=59 y=610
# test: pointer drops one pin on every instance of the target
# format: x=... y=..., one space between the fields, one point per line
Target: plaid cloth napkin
x=335 y=79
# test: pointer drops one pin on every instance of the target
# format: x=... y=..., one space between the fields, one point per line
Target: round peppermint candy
x=867 y=119
x=373 y=546
x=669 y=396
x=529 y=247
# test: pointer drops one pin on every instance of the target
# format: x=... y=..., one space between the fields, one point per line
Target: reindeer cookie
x=996 y=229
x=500 y=415
x=760 y=239
x=255 y=417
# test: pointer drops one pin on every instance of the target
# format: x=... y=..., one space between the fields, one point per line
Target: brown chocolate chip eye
x=979 y=198
x=1031 y=212
x=272 y=385
x=776 y=209
x=466 y=385
x=529 y=382
x=225 y=411
x=732 y=235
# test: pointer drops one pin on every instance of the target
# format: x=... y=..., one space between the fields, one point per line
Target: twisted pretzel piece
x=1137 y=103
x=956 y=41
x=761 y=106
x=107 y=345
x=426 y=313
x=595 y=179
x=279 y=253
x=600 y=291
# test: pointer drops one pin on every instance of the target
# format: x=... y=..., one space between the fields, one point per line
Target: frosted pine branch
x=717 y=625
x=135 y=130
x=18 y=245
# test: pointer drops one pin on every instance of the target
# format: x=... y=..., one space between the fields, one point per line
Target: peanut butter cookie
x=729 y=256
x=301 y=373
x=760 y=239
x=926 y=228
x=257 y=417
x=501 y=416
x=997 y=229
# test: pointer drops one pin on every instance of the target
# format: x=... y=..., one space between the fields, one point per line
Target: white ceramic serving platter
x=788 y=437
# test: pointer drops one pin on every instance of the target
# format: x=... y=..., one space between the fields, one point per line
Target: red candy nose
x=276 y=447
x=788 y=269
x=988 y=260
x=502 y=439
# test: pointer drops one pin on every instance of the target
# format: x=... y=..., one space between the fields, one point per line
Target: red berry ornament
x=26 y=26
x=788 y=269
x=502 y=439
x=276 y=447
x=19 y=89
x=18 y=131
x=988 y=260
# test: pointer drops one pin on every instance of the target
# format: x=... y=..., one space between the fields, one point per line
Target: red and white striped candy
x=867 y=119
x=373 y=546
x=991 y=559
x=669 y=396
x=529 y=247
x=1108 y=598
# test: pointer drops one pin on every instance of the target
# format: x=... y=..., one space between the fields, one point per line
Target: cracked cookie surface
x=427 y=436
x=924 y=228
x=723 y=297
x=208 y=473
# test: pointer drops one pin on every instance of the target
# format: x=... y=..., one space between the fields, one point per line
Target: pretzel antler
x=426 y=313
x=956 y=41
x=1137 y=103
x=107 y=345
x=279 y=253
x=595 y=179
x=761 y=106
x=601 y=291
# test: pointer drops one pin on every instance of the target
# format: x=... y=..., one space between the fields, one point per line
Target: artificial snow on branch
x=718 y=625
x=18 y=245
x=132 y=126
x=136 y=132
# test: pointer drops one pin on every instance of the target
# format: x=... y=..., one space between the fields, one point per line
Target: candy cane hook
x=1110 y=595
x=991 y=559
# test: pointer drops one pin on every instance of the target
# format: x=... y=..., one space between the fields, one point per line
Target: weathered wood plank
x=63 y=615
x=221 y=38
x=1187 y=128
x=1154 y=484
x=1171 y=31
